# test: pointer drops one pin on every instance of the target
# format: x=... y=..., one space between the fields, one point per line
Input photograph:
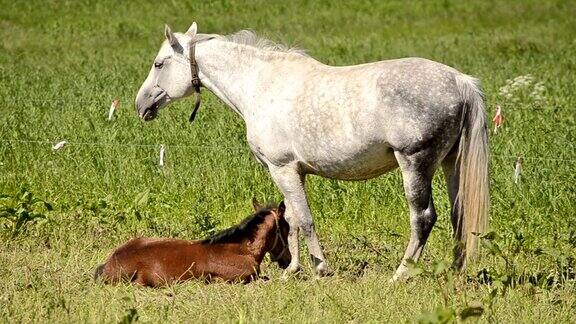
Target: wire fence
x=57 y=145
x=517 y=161
x=156 y=153
x=100 y=101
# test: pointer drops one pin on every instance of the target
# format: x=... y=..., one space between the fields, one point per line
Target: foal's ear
x=191 y=32
x=170 y=35
x=281 y=209
x=255 y=204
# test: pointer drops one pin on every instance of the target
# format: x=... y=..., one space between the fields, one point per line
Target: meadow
x=62 y=211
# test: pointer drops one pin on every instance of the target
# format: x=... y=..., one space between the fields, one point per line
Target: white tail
x=473 y=198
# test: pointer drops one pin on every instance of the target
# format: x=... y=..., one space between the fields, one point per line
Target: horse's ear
x=255 y=204
x=191 y=32
x=281 y=209
x=170 y=35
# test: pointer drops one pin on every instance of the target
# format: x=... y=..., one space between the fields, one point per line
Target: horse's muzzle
x=147 y=105
x=149 y=113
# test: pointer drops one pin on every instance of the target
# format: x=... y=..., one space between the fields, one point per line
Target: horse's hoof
x=397 y=278
x=286 y=275
x=290 y=272
x=325 y=274
x=323 y=271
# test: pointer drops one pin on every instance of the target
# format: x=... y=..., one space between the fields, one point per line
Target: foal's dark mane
x=242 y=230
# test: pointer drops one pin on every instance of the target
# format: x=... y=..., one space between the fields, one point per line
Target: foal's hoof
x=264 y=278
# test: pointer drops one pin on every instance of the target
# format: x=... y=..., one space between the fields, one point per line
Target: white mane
x=248 y=37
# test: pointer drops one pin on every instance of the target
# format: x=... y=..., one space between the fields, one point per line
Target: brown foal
x=233 y=255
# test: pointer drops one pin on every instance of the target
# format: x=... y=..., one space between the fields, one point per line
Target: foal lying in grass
x=232 y=255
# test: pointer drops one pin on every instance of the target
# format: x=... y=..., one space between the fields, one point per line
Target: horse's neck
x=255 y=245
x=261 y=241
x=236 y=73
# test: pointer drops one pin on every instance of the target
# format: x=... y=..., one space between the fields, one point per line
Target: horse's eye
x=158 y=65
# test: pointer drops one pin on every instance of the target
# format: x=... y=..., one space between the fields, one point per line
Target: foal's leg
x=417 y=173
x=291 y=184
x=141 y=278
x=452 y=175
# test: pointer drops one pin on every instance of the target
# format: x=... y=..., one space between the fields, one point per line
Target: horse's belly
x=352 y=166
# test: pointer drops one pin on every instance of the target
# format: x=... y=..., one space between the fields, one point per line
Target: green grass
x=62 y=63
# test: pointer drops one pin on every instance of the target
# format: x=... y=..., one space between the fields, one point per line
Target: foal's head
x=268 y=226
x=279 y=252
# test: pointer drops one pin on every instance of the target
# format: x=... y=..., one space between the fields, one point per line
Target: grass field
x=62 y=63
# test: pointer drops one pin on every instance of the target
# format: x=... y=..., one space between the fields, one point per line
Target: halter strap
x=196 y=83
x=279 y=236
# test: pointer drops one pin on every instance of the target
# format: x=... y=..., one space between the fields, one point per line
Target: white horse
x=351 y=122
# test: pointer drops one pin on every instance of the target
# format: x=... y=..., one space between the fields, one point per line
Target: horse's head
x=170 y=77
x=280 y=252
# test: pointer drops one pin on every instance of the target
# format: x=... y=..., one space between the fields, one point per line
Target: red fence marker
x=114 y=106
x=498 y=119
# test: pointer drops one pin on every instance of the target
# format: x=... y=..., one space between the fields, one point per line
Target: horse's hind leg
x=417 y=174
x=452 y=175
x=144 y=278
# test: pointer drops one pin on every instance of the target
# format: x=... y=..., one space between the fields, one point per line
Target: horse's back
x=400 y=97
x=419 y=104
x=413 y=85
x=350 y=120
x=150 y=261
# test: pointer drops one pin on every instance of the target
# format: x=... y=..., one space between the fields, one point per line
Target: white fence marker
x=114 y=106
x=59 y=145
x=161 y=155
x=518 y=169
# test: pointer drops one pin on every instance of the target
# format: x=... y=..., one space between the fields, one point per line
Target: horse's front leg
x=291 y=184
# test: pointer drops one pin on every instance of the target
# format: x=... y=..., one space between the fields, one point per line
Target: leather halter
x=279 y=236
x=196 y=83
